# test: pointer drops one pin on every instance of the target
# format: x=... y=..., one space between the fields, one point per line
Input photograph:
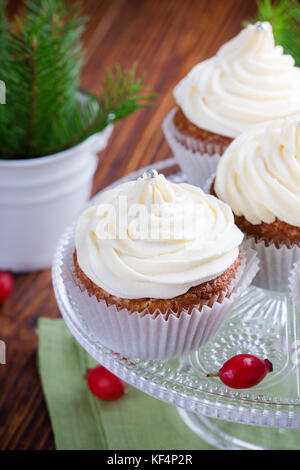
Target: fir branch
x=33 y=100
x=5 y=113
x=122 y=94
x=284 y=16
x=41 y=59
x=42 y=75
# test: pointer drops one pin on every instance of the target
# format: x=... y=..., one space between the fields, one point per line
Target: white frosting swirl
x=186 y=238
x=249 y=81
x=259 y=174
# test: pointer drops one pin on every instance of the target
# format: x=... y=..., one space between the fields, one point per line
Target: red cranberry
x=6 y=285
x=243 y=371
x=105 y=385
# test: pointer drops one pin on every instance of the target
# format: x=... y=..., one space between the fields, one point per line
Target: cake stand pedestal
x=233 y=436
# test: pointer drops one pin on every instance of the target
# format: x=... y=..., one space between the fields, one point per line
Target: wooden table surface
x=166 y=37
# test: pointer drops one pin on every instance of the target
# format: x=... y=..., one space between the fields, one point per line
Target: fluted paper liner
x=197 y=159
x=207 y=185
x=145 y=336
x=294 y=284
x=275 y=264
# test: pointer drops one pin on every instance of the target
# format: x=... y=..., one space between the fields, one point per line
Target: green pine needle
x=41 y=60
x=122 y=95
x=284 y=16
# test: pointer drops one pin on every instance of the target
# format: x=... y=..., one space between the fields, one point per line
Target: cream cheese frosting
x=259 y=174
x=249 y=81
x=153 y=238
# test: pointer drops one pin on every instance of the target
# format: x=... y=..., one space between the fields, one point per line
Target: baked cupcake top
x=153 y=238
x=259 y=174
x=249 y=81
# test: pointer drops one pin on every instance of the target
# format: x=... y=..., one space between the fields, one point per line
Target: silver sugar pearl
x=260 y=26
x=151 y=173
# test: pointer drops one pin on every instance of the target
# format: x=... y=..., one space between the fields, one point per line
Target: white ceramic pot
x=39 y=197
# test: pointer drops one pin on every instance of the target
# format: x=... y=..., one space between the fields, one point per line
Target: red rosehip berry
x=104 y=385
x=243 y=371
x=6 y=285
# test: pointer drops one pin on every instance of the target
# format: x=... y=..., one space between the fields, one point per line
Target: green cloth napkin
x=135 y=422
x=81 y=421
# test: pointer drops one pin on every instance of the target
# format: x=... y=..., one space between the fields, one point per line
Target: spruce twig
x=121 y=96
x=41 y=58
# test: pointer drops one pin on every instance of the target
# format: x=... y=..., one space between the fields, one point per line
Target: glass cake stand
x=263 y=323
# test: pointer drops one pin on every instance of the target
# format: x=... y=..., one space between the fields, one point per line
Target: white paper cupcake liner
x=198 y=160
x=294 y=284
x=275 y=264
x=207 y=185
x=145 y=336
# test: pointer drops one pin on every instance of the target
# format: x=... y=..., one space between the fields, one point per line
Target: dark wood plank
x=166 y=37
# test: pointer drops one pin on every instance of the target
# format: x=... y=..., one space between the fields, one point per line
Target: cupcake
x=259 y=177
x=157 y=267
x=248 y=82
